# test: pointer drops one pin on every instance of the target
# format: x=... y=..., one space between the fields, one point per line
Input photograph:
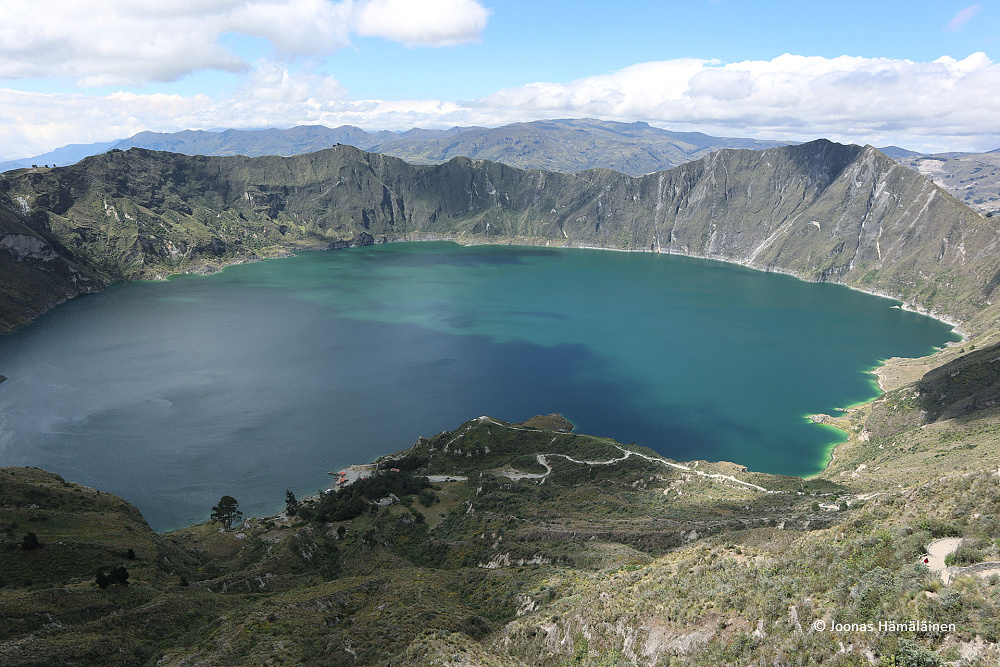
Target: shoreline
x=956 y=325
x=208 y=268
x=876 y=371
x=279 y=252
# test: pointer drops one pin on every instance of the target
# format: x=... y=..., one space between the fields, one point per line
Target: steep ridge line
x=176 y=213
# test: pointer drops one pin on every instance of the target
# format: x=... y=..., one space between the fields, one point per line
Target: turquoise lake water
x=263 y=377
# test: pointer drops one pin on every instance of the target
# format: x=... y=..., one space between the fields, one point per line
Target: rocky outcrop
x=23 y=246
x=36 y=272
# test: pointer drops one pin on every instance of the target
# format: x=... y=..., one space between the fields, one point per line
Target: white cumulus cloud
x=943 y=103
x=423 y=22
x=293 y=27
x=946 y=104
x=133 y=42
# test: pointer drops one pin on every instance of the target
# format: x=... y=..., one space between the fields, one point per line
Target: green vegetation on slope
x=467 y=559
x=608 y=555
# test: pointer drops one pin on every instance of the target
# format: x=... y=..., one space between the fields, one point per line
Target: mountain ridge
x=822 y=211
x=558 y=145
x=565 y=145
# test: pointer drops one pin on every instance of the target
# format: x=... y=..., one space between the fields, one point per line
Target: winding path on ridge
x=543 y=461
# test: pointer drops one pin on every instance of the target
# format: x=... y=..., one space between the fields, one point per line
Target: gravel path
x=542 y=459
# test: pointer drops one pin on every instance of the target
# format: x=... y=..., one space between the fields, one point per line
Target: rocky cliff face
x=36 y=271
x=820 y=210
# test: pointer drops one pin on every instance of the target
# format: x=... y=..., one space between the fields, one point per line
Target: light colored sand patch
x=351 y=474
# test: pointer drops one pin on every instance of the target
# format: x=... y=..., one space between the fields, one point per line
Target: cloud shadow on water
x=359 y=390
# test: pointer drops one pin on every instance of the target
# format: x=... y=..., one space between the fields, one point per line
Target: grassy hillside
x=602 y=554
x=971 y=177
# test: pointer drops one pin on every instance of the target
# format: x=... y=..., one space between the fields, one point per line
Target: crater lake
x=265 y=376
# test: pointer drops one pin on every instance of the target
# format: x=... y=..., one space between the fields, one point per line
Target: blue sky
x=918 y=74
x=563 y=41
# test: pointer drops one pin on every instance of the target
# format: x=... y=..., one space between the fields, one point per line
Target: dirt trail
x=936 y=552
x=542 y=459
x=515 y=475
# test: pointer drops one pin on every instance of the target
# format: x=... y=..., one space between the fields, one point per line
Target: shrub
x=966 y=554
x=115 y=575
x=30 y=541
x=426 y=497
x=119 y=576
x=351 y=501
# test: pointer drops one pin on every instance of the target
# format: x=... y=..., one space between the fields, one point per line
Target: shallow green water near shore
x=265 y=376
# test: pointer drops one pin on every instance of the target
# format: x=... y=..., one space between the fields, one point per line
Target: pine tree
x=227 y=512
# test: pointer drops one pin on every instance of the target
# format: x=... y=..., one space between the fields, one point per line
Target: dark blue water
x=267 y=375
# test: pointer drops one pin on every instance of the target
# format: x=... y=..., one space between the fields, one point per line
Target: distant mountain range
x=553 y=145
x=568 y=145
x=973 y=178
